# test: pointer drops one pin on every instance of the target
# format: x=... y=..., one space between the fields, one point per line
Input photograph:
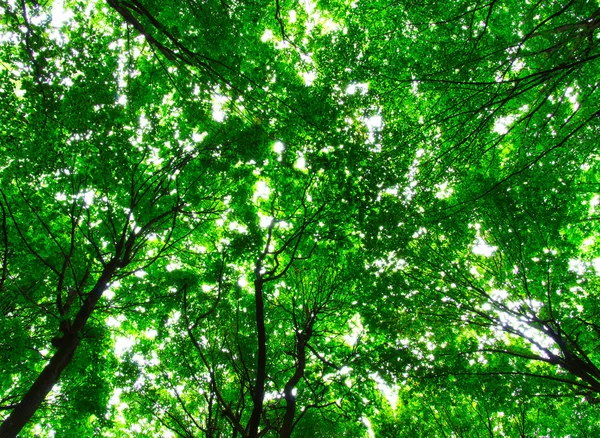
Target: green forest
x=300 y=218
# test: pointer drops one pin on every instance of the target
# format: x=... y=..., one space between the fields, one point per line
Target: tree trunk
x=37 y=393
x=40 y=388
x=259 y=388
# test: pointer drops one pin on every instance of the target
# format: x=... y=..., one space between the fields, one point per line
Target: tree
x=89 y=209
x=86 y=245
x=502 y=269
x=284 y=353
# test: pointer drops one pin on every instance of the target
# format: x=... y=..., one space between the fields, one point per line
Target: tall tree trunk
x=261 y=369
x=37 y=393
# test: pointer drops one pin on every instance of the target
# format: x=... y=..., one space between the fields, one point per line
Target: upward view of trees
x=300 y=218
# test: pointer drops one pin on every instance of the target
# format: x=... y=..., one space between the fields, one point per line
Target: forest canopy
x=299 y=218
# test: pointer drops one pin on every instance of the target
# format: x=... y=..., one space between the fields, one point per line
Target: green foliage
x=263 y=218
